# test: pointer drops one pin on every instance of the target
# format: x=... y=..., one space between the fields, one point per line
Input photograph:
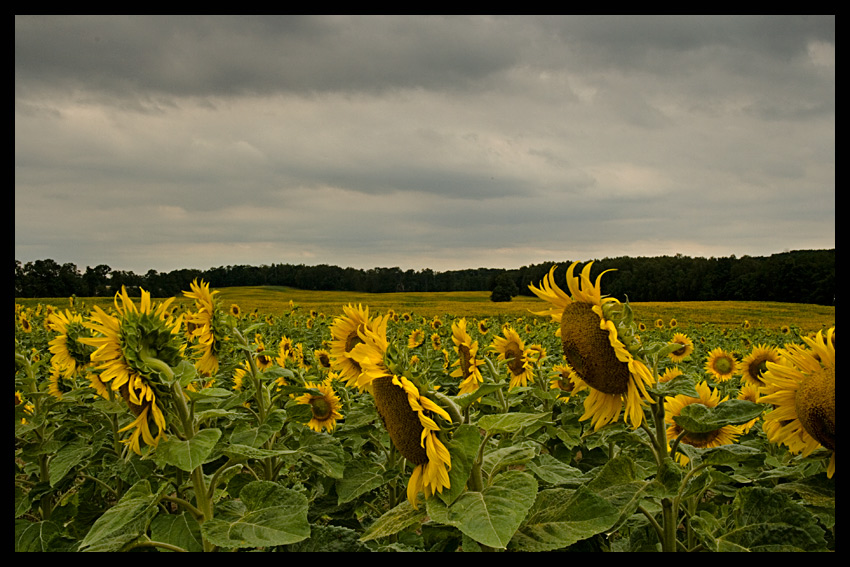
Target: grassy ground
x=477 y=304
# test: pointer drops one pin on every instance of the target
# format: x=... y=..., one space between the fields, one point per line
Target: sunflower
x=563 y=380
x=125 y=352
x=721 y=364
x=69 y=354
x=205 y=327
x=345 y=335
x=325 y=406
x=801 y=388
x=407 y=414
x=594 y=349
x=416 y=338
x=511 y=349
x=755 y=363
x=322 y=358
x=468 y=361
x=708 y=397
x=669 y=374
x=24 y=322
x=687 y=347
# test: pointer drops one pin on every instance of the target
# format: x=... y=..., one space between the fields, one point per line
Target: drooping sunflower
x=324 y=406
x=125 y=353
x=407 y=414
x=755 y=363
x=681 y=354
x=721 y=364
x=801 y=388
x=69 y=354
x=204 y=326
x=511 y=349
x=708 y=397
x=594 y=350
x=468 y=362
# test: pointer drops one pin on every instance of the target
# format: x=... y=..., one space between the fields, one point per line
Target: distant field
x=477 y=304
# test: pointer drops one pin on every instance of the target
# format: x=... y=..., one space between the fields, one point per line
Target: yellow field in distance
x=476 y=304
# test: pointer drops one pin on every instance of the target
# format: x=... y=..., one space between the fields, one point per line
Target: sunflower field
x=187 y=424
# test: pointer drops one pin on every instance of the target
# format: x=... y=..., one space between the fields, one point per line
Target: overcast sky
x=420 y=142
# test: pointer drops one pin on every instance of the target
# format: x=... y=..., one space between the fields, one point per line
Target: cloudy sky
x=420 y=142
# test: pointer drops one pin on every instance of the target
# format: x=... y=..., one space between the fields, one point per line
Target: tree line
x=799 y=276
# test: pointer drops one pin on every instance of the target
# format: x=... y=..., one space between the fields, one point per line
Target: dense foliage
x=241 y=465
x=801 y=276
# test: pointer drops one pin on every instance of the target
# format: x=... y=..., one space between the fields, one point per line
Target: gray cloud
x=441 y=142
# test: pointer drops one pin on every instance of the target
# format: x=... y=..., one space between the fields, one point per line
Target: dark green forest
x=799 y=276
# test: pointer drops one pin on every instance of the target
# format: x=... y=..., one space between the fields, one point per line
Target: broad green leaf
x=394 y=521
x=35 y=536
x=510 y=422
x=490 y=517
x=727 y=454
x=552 y=471
x=322 y=452
x=181 y=530
x=681 y=385
x=66 y=459
x=190 y=454
x=518 y=454
x=467 y=399
x=248 y=452
x=767 y=520
x=125 y=521
x=463 y=449
x=698 y=418
x=268 y=514
x=359 y=477
x=561 y=517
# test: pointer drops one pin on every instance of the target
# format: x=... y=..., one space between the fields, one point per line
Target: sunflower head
x=69 y=353
x=754 y=364
x=721 y=364
x=345 y=336
x=686 y=349
x=324 y=406
x=593 y=345
x=801 y=388
x=511 y=349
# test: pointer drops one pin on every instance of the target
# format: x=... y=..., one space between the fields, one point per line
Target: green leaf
x=463 y=449
x=767 y=520
x=247 y=452
x=697 y=418
x=561 y=517
x=490 y=517
x=190 y=454
x=35 y=536
x=266 y=515
x=727 y=454
x=125 y=521
x=322 y=452
x=181 y=530
x=510 y=422
x=394 y=521
x=552 y=471
x=518 y=454
x=466 y=400
x=66 y=459
x=359 y=477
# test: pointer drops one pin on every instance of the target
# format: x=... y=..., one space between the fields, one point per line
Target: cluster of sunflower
x=602 y=353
